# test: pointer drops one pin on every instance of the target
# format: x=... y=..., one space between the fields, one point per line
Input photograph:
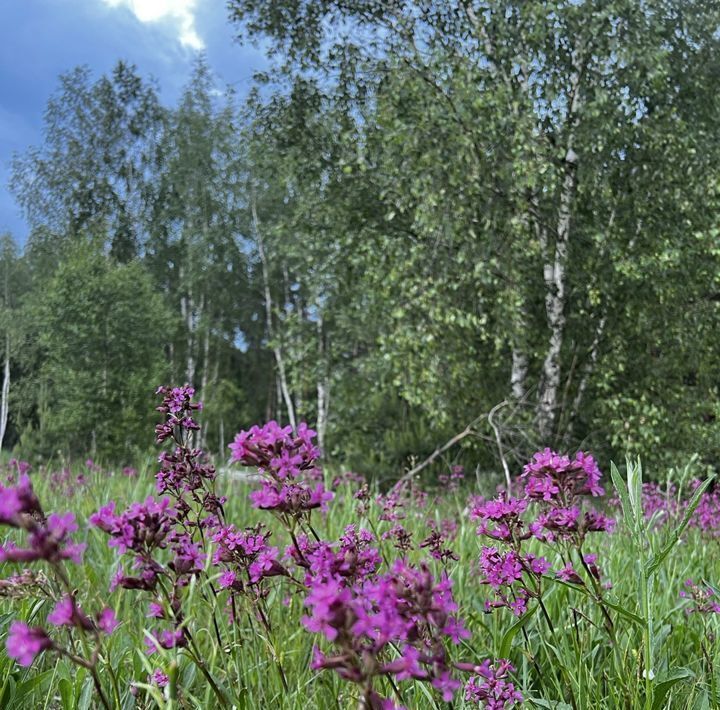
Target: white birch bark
x=518 y=373
x=323 y=388
x=5 y=394
x=554 y=273
x=277 y=350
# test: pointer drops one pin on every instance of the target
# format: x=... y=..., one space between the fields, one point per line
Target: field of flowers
x=172 y=586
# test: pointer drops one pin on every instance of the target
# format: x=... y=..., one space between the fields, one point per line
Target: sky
x=40 y=39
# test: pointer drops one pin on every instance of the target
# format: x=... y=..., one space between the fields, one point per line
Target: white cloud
x=180 y=12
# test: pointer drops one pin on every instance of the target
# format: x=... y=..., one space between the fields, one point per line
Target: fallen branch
x=471 y=429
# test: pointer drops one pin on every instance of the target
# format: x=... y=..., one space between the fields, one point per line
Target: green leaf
x=664 y=684
x=656 y=560
x=629 y=615
x=509 y=635
x=622 y=491
x=67 y=696
x=8 y=696
x=86 y=695
x=31 y=684
x=634 y=488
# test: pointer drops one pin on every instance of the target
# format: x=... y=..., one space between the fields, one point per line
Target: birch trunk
x=554 y=274
x=323 y=388
x=518 y=373
x=204 y=382
x=5 y=394
x=186 y=311
x=277 y=350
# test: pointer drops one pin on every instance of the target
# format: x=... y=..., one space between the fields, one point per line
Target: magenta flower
x=550 y=476
x=568 y=574
x=17 y=500
x=159 y=678
x=24 y=643
x=492 y=688
x=48 y=541
x=107 y=621
x=62 y=614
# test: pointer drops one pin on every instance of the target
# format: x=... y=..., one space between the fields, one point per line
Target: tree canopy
x=423 y=213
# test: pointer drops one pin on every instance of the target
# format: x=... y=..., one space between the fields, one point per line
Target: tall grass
x=657 y=655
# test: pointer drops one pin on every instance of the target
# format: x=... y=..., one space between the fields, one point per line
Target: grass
x=575 y=662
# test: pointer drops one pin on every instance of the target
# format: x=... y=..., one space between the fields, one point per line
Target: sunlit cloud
x=179 y=12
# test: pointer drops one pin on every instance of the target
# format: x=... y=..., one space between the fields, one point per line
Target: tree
x=13 y=285
x=193 y=249
x=91 y=172
x=526 y=158
x=102 y=327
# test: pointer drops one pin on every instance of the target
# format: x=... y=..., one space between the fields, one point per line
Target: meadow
x=278 y=583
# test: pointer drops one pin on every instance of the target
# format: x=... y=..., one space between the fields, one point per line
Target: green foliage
x=97 y=325
x=456 y=208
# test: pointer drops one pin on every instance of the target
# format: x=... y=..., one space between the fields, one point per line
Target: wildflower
x=491 y=686
x=550 y=476
x=159 y=678
x=568 y=574
x=67 y=613
x=402 y=539
x=24 y=643
x=18 y=500
x=406 y=609
x=48 y=541
x=107 y=621
x=706 y=600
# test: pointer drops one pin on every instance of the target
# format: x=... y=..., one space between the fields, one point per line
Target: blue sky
x=40 y=39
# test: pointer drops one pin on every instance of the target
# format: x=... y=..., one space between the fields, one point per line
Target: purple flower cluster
x=402 y=497
x=245 y=557
x=552 y=477
x=143 y=530
x=49 y=540
x=178 y=407
x=25 y=642
x=705 y=600
x=441 y=534
x=349 y=561
x=389 y=624
x=554 y=488
x=451 y=481
x=166 y=538
x=287 y=462
x=663 y=504
x=491 y=686
x=67 y=484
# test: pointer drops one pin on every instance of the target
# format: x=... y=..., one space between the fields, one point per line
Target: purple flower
x=165 y=639
x=491 y=686
x=107 y=621
x=17 y=500
x=500 y=569
x=568 y=574
x=446 y=684
x=62 y=614
x=67 y=613
x=159 y=678
x=227 y=579
x=550 y=476
x=455 y=629
x=24 y=643
x=48 y=541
